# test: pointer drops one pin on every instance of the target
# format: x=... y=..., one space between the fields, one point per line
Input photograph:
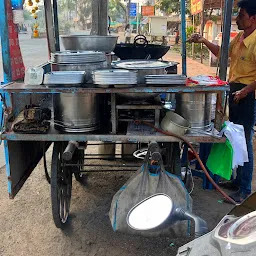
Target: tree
x=84 y=11
x=171 y=6
x=117 y=10
x=67 y=7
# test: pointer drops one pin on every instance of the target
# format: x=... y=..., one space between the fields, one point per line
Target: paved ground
x=26 y=226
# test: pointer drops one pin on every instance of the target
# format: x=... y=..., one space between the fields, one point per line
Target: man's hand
x=240 y=95
x=219 y=108
x=196 y=38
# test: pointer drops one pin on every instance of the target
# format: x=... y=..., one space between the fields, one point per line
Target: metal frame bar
x=50 y=29
x=225 y=39
x=56 y=25
x=183 y=35
x=7 y=73
x=22 y=88
x=4 y=34
x=56 y=136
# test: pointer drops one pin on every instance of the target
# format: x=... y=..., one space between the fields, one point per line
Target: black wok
x=140 y=50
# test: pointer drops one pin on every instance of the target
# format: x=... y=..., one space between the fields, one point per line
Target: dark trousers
x=243 y=113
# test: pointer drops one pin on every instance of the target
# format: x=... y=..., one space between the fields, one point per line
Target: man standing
x=242 y=79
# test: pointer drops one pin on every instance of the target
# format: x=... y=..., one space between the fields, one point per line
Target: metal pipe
x=225 y=39
x=97 y=171
x=70 y=150
x=103 y=165
x=201 y=227
x=183 y=34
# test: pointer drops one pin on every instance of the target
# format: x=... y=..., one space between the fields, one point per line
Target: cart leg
x=61 y=186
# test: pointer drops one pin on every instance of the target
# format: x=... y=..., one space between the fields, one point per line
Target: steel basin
x=175 y=123
x=89 y=43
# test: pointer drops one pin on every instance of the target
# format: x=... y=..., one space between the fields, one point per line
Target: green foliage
x=116 y=9
x=189 y=31
x=84 y=10
x=172 y=6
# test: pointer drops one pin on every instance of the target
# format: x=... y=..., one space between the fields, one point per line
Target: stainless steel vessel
x=76 y=112
x=196 y=108
x=89 y=42
x=88 y=68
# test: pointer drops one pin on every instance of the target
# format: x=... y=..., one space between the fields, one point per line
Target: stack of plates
x=166 y=79
x=115 y=77
x=64 y=78
x=77 y=57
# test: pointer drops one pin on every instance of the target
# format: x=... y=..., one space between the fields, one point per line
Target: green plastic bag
x=220 y=159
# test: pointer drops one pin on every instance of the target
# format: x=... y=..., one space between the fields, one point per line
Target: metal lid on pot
x=142 y=64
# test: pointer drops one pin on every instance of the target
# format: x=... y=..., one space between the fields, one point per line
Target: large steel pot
x=89 y=43
x=196 y=108
x=76 y=112
x=143 y=68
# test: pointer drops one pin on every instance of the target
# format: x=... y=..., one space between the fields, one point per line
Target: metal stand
x=115 y=110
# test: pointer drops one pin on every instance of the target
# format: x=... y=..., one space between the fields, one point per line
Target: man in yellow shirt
x=242 y=79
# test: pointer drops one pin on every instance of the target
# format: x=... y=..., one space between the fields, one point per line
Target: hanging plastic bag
x=220 y=159
x=147 y=181
x=236 y=136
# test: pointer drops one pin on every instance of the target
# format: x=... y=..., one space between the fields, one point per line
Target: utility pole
x=99 y=17
x=128 y=12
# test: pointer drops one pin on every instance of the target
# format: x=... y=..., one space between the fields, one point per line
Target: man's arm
x=196 y=38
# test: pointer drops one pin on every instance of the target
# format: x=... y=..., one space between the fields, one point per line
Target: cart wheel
x=79 y=159
x=61 y=186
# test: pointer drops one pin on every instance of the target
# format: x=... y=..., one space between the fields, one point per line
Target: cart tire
x=61 y=186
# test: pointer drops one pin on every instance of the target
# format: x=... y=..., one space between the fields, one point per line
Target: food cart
x=23 y=151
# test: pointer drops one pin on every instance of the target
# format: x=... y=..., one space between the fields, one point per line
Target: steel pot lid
x=142 y=64
x=76 y=57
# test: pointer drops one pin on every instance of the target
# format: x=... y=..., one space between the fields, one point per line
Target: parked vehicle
x=234 y=235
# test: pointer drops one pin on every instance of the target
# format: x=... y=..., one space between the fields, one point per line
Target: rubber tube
x=196 y=155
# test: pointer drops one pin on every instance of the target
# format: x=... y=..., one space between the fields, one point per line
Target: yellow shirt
x=243 y=59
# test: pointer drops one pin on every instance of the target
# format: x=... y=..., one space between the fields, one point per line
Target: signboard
x=147 y=10
x=196 y=6
x=133 y=9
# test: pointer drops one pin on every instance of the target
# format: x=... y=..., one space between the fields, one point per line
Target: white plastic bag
x=236 y=136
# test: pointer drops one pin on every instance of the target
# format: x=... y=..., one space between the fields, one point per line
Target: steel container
x=175 y=123
x=76 y=112
x=196 y=108
x=89 y=43
x=88 y=68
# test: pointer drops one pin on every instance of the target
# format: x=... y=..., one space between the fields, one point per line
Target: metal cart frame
x=24 y=151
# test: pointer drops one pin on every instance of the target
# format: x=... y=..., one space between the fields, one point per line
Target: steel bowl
x=89 y=43
x=175 y=123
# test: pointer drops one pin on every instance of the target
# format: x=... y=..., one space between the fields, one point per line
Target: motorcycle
x=234 y=235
